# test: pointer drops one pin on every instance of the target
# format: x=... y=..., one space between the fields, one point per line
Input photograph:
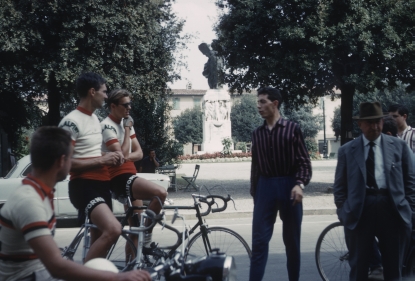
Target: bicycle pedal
x=154 y=251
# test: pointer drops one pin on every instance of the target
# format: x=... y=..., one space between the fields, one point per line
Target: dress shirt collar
x=408 y=128
x=376 y=141
x=281 y=123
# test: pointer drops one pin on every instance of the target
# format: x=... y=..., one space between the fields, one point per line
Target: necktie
x=370 y=167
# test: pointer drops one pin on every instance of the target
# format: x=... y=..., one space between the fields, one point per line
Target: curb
x=244 y=214
x=65 y=222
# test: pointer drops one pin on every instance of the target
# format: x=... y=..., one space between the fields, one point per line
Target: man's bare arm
x=49 y=253
x=109 y=159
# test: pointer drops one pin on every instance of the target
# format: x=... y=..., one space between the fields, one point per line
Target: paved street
x=276 y=269
x=234 y=177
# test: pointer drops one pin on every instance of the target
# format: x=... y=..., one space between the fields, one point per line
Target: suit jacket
x=350 y=179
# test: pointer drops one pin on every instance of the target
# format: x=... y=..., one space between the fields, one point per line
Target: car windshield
x=11 y=171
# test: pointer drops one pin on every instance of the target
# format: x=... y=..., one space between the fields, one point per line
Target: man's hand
x=128 y=122
x=135 y=275
x=296 y=195
x=113 y=159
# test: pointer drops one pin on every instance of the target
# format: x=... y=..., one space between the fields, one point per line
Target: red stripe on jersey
x=18 y=257
x=108 y=143
x=6 y=224
x=84 y=110
x=126 y=168
x=34 y=225
x=99 y=174
x=132 y=136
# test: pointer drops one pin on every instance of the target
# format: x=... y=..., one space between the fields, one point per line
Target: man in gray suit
x=374 y=192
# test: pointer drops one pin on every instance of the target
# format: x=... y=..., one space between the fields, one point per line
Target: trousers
x=380 y=219
x=273 y=195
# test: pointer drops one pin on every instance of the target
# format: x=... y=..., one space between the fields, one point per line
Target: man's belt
x=381 y=191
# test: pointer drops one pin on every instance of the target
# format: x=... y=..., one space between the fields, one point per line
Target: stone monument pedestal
x=216 y=119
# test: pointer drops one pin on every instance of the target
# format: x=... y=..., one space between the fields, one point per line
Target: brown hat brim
x=369 y=117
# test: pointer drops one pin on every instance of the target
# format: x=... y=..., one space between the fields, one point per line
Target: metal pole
x=324 y=129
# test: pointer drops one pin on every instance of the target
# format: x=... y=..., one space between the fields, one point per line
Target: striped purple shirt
x=408 y=135
x=279 y=152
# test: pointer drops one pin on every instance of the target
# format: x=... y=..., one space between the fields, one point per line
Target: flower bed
x=214 y=156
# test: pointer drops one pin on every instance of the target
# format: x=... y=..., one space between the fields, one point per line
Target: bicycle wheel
x=71 y=252
x=228 y=242
x=122 y=253
x=332 y=256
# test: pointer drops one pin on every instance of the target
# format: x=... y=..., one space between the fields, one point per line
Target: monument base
x=216 y=123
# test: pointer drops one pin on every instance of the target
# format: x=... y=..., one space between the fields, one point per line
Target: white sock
x=148 y=238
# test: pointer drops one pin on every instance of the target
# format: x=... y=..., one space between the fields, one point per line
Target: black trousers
x=379 y=218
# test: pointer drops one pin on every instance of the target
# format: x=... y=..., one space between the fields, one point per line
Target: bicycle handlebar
x=205 y=199
x=154 y=219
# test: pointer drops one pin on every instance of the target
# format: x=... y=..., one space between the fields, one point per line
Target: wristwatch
x=300 y=185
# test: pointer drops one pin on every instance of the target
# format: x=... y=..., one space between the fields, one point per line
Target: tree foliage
x=188 y=126
x=307 y=48
x=244 y=118
x=386 y=98
x=45 y=45
x=309 y=124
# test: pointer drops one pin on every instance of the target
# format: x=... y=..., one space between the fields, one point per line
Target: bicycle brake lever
x=234 y=205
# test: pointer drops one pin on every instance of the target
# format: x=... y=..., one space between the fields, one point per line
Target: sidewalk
x=312 y=205
x=233 y=178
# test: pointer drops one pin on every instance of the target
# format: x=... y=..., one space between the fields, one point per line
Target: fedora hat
x=370 y=110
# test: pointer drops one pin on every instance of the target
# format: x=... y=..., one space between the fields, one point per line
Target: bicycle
x=332 y=255
x=201 y=244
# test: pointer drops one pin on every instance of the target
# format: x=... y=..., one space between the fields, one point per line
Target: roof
x=188 y=92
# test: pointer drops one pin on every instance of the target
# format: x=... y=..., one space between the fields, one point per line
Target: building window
x=176 y=103
x=196 y=102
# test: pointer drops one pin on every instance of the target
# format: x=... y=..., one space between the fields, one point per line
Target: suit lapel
x=388 y=149
x=358 y=153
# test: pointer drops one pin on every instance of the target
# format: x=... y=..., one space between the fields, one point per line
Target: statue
x=213 y=68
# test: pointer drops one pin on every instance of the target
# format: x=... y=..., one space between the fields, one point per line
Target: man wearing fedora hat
x=374 y=191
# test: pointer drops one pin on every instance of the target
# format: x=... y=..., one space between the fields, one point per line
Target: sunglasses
x=126 y=105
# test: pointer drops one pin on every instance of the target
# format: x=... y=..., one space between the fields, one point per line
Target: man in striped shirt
x=407 y=133
x=280 y=169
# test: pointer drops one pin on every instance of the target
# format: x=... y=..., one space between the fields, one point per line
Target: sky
x=200 y=16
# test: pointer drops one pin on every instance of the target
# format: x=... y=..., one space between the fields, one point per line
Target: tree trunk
x=346 y=112
x=54 y=101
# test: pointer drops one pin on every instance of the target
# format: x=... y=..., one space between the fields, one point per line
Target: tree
x=188 y=126
x=244 y=118
x=307 y=48
x=336 y=123
x=309 y=124
x=45 y=45
x=386 y=98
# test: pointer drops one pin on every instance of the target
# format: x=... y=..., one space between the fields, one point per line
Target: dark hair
x=273 y=94
x=87 y=81
x=400 y=108
x=47 y=145
x=389 y=125
x=116 y=95
x=150 y=150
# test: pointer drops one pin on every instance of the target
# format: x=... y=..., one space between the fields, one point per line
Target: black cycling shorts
x=122 y=186
x=86 y=194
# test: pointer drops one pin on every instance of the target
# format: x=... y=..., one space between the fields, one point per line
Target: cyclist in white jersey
x=89 y=185
x=28 y=251
x=119 y=135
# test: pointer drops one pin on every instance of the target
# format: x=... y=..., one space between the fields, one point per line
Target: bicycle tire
x=117 y=253
x=228 y=242
x=71 y=251
x=332 y=256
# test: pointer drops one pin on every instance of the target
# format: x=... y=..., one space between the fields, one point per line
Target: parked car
x=64 y=209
